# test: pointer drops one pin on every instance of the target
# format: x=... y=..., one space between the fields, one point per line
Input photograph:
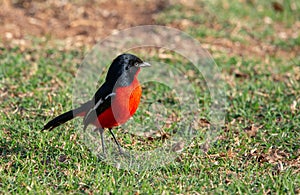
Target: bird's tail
x=61 y=119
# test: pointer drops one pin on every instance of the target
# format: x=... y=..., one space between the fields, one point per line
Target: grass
x=257 y=150
x=247 y=22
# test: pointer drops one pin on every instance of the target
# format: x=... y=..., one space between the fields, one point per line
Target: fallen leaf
x=277 y=6
x=178 y=147
x=62 y=158
x=252 y=130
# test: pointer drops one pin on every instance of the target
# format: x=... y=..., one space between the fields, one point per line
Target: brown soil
x=83 y=20
x=80 y=22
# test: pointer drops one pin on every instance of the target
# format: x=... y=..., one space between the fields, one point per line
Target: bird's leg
x=102 y=140
x=118 y=144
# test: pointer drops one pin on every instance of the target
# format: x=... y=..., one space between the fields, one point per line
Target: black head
x=123 y=69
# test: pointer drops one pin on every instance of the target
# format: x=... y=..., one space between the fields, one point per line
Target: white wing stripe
x=109 y=95
x=101 y=101
x=98 y=104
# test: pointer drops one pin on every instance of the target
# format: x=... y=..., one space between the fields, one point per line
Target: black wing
x=101 y=101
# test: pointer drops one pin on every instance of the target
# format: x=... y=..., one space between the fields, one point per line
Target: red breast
x=123 y=106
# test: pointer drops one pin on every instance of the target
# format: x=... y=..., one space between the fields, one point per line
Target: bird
x=114 y=103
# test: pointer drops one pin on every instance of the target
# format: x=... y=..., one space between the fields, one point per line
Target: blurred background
x=239 y=27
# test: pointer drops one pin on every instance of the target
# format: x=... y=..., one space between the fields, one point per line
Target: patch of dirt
x=86 y=21
x=254 y=48
x=79 y=22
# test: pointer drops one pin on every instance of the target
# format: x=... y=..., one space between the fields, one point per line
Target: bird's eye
x=136 y=64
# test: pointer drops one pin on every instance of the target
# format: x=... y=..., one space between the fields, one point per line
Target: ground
x=84 y=21
x=255 y=44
